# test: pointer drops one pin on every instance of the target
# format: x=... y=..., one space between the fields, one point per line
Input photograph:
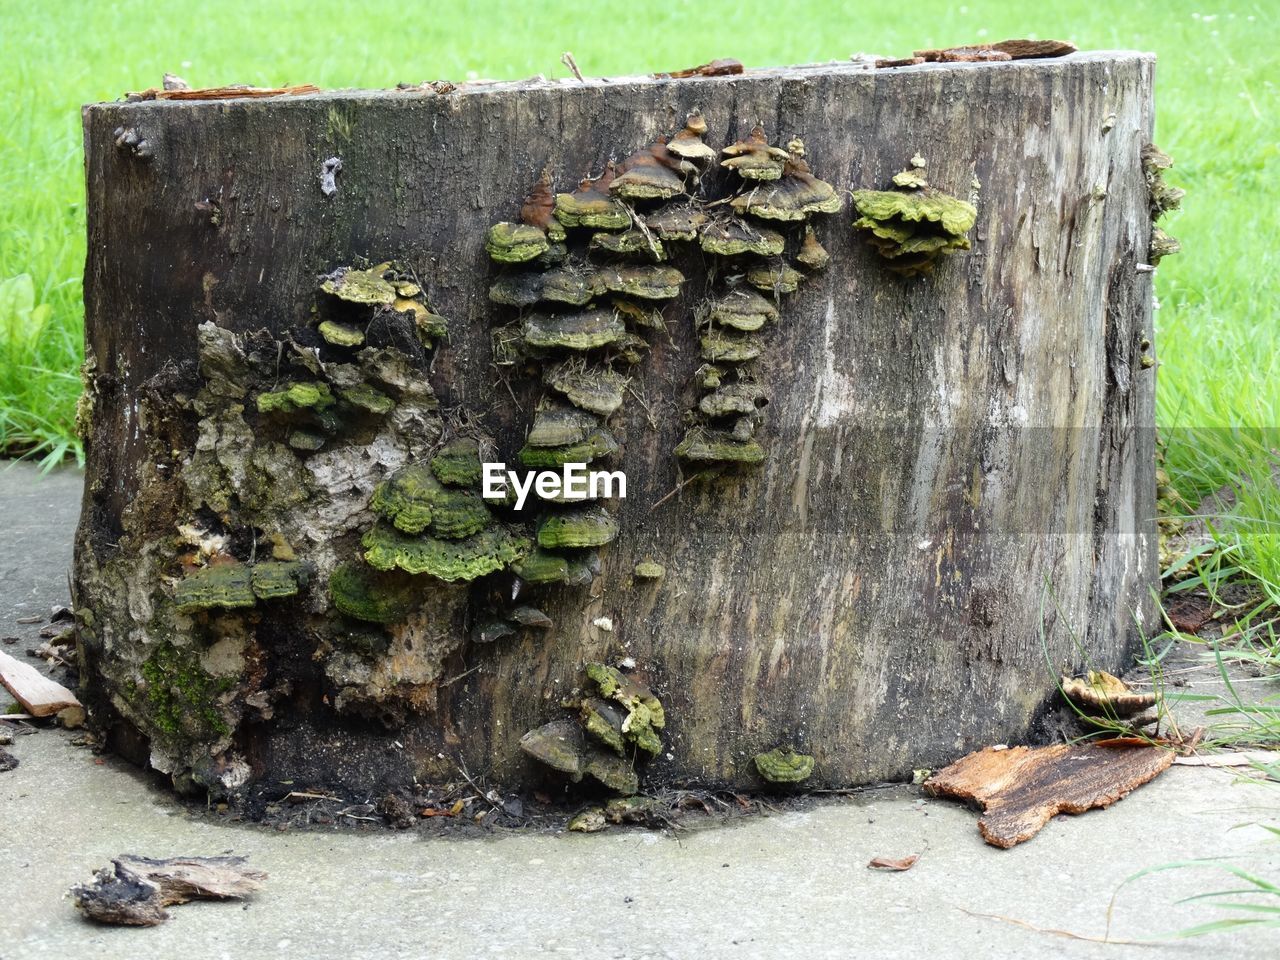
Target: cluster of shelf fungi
x=588 y=274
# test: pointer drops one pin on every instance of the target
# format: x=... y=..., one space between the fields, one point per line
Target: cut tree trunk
x=956 y=500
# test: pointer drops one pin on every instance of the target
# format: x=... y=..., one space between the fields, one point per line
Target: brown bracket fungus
x=1163 y=199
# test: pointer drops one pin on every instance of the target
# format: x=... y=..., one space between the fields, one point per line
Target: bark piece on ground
x=135 y=890
x=38 y=695
x=1021 y=788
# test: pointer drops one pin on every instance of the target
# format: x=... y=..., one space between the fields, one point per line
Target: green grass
x=1218 y=339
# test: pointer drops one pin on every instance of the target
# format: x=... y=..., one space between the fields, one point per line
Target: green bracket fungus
x=406 y=497
x=742 y=309
x=340 y=334
x=775 y=277
x=296 y=397
x=653 y=173
x=596 y=389
x=718 y=345
x=234 y=585
x=796 y=195
x=515 y=242
x=629 y=243
x=366 y=398
x=649 y=570
x=374 y=596
x=365 y=287
x=912 y=225
x=644 y=713
x=592 y=206
x=490 y=550
x=703 y=445
x=590 y=526
x=573 y=331
x=646 y=283
x=676 y=222
x=784 y=766
x=558 y=425
x=603 y=721
x=731 y=237
x=543 y=566
x=599 y=443
x=754 y=158
x=736 y=398
x=457 y=464
x=562 y=746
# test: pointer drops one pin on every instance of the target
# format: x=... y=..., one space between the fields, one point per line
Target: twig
x=567 y=59
x=1059 y=933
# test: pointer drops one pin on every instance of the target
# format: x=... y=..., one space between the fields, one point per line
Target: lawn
x=1219 y=392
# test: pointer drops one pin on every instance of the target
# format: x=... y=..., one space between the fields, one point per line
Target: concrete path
x=790 y=885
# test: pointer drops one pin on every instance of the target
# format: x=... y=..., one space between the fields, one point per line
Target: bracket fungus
x=1163 y=200
x=234 y=585
x=913 y=224
x=782 y=765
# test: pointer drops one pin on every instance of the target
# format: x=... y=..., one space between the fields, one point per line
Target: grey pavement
x=794 y=884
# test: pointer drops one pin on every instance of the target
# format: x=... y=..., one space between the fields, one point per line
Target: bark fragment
x=135 y=890
x=1021 y=788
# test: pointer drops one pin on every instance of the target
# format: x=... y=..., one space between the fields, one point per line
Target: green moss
x=515 y=242
x=590 y=526
x=341 y=335
x=295 y=397
x=458 y=463
x=599 y=443
x=374 y=596
x=495 y=547
x=180 y=697
x=364 y=397
x=784 y=765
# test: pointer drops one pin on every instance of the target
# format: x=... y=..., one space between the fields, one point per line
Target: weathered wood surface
x=942 y=451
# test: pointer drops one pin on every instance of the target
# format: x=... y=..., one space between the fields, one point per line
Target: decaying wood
x=39 y=696
x=1021 y=788
x=938 y=450
x=168 y=92
x=135 y=890
x=1001 y=50
x=716 y=68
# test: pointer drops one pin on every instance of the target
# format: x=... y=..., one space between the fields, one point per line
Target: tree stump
x=952 y=500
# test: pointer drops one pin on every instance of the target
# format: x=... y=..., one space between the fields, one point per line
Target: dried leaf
x=892 y=865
